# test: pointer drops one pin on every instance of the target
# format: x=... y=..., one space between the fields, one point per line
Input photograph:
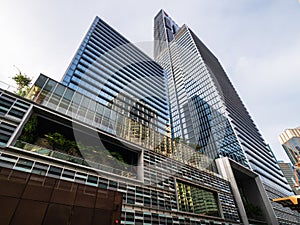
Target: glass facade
x=197 y=200
x=146 y=130
x=115 y=73
x=288 y=171
x=206 y=109
x=12 y=111
x=81 y=108
x=149 y=191
x=290 y=141
x=196 y=105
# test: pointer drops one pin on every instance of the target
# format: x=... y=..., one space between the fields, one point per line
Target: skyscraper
x=114 y=72
x=207 y=111
x=290 y=141
x=106 y=125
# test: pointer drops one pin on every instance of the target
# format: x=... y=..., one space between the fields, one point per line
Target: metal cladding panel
x=33 y=199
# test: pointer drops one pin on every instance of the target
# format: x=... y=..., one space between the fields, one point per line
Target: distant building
x=290 y=141
x=288 y=172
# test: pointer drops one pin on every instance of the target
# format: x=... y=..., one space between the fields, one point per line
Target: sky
x=257 y=43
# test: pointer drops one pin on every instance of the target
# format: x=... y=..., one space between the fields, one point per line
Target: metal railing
x=7 y=87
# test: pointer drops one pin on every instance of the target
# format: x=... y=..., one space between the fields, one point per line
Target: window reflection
x=197 y=200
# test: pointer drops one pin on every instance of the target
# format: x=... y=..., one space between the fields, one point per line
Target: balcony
x=128 y=170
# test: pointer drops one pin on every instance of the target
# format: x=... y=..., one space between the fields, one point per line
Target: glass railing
x=77 y=160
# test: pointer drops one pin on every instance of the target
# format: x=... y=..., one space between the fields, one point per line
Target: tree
x=22 y=82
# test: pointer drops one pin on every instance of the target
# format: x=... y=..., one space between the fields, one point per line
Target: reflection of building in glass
x=206 y=110
x=94 y=114
x=115 y=73
x=107 y=125
x=197 y=111
x=290 y=141
x=105 y=157
x=197 y=200
x=288 y=171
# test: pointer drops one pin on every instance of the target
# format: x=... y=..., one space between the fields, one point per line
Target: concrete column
x=267 y=207
x=140 y=166
x=224 y=168
x=256 y=193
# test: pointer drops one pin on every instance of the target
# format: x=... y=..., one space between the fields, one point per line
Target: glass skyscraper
x=207 y=111
x=107 y=125
x=114 y=72
x=290 y=141
x=173 y=138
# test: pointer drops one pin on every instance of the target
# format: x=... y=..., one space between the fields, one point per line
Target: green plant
x=71 y=147
x=29 y=132
x=59 y=142
x=56 y=140
x=22 y=82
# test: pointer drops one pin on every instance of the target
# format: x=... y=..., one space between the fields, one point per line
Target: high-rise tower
x=104 y=126
x=114 y=72
x=207 y=111
x=290 y=141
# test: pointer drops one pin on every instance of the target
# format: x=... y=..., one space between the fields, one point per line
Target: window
x=197 y=200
